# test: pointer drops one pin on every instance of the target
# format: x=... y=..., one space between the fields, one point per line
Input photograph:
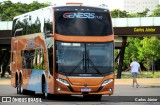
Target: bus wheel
x=19 y=87
x=44 y=93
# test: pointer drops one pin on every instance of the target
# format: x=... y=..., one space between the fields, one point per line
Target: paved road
x=148 y=88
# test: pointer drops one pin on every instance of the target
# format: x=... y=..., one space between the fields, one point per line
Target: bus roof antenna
x=74 y=4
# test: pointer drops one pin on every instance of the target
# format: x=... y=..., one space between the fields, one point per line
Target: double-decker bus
x=66 y=50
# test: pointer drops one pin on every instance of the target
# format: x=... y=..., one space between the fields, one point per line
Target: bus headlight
x=63 y=81
x=107 y=82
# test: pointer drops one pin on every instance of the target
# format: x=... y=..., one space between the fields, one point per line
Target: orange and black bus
x=63 y=50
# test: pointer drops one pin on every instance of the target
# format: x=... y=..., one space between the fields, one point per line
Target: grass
x=144 y=74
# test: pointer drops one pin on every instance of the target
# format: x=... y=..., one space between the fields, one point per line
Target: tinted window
x=34 y=22
x=94 y=59
x=90 y=22
x=50 y=59
x=33 y=59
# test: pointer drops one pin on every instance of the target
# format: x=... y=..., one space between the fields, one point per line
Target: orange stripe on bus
x=84 y=38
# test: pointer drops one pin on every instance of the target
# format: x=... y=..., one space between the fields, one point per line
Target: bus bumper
x=84 y=90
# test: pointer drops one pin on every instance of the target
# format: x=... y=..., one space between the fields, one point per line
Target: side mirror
x=49 y=34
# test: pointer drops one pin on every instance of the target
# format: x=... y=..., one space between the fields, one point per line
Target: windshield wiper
x=91 y=62
x=95 y=68
x=77 y=66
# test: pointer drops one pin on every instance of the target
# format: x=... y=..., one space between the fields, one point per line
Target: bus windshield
x=88 y=22
x=90 y=59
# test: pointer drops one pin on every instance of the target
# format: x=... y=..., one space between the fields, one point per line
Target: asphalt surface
x=124 y=94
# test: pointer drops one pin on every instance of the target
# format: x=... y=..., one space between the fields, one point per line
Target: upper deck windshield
x=82 y=21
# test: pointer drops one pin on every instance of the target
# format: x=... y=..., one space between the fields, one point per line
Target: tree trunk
x=152 y=67
x=121 y=57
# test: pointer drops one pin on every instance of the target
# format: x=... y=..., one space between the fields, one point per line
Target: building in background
x=134 y=6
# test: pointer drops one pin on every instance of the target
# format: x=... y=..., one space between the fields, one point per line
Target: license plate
x=85 y=90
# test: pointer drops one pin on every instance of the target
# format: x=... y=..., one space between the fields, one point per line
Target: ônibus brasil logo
x=81 y=15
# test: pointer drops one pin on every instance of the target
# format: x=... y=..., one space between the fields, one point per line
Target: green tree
x=156 y=12
x=140 y=14
x=146 y=49
x=132 y=51
x=35 y=5
x=150 y=50
x=119 y=14
x=123 y=14
x=8 y=10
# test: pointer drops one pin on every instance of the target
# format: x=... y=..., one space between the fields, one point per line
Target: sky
x=112 y=4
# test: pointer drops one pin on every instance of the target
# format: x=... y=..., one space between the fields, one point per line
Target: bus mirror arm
x=50 y=35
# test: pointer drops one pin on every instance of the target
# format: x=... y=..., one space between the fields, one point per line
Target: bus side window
x=27 y=59
x=50 y=59
x=39 y=60
x=18 y=32
x=14 y=27
x=41 y=64
x=33 y=59
x=18 y=29
x=48 y=21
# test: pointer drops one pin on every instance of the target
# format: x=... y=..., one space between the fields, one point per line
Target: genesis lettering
x=81 y=15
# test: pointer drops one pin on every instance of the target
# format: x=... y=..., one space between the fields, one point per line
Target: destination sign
x=144 y=29
x=137 y=31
